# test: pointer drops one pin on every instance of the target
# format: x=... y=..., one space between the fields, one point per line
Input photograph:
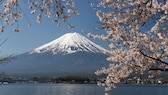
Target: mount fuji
x=69 y=43
x=70 y=54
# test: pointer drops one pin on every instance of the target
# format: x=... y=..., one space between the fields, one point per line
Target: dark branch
x=154 y=58
x=6 y=59
x=156 y=69
x=3 y=42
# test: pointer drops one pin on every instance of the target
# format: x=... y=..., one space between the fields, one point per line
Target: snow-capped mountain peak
x=69 y=43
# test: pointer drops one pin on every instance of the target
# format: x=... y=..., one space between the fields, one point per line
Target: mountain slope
x=71 y=54
x=69 y=43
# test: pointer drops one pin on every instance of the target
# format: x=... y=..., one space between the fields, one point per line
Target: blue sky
x=32 y=37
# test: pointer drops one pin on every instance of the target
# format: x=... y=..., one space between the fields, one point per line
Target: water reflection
x=51 y=89
x=62 y=89
x=140 y=90
x=79 y=89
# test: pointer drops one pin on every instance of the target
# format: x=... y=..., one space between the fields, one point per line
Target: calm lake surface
x=79 y=89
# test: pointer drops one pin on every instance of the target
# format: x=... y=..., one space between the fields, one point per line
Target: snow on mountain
x=69 y=43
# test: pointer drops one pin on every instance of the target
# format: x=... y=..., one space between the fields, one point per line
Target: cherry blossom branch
x=133 y=26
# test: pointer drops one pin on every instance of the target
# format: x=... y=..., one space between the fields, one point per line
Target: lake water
x=79 y=89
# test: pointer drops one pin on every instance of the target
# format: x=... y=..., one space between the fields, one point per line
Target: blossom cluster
x=10 y=14
x=58 y=10
x=138 y=31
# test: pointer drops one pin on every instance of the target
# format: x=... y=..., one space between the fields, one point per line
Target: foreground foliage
x=138 y=31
